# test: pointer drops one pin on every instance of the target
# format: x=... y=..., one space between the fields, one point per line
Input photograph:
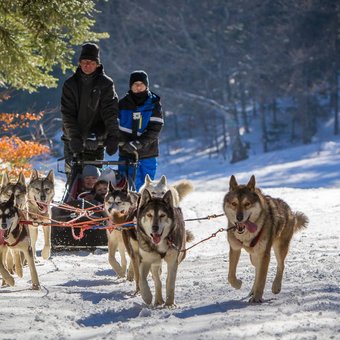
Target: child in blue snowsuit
x=140 y=122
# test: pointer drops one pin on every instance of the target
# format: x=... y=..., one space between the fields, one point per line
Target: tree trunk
x=239 y=151
x=263 y=125
x=336 y=104
x=243 y=109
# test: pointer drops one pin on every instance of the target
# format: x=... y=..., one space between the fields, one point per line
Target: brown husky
x=40 y=193
x=260 y=222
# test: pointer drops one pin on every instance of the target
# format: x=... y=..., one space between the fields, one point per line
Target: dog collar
x=16 y=241
x=253 y=241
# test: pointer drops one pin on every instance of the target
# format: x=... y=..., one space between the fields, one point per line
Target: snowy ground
x=81 y=298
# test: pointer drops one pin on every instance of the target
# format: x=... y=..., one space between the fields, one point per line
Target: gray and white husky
x=158 y=188
x=40 y=193
x=15 y=235
x=118 y=203
x=161 y=236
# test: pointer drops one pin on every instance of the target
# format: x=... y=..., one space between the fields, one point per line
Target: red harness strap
x=16 y=241
x=255 y=239
x=2 y=237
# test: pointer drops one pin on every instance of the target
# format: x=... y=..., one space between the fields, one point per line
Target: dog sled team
x=257 y=223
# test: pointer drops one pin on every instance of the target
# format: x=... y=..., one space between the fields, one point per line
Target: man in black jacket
x=89 y=108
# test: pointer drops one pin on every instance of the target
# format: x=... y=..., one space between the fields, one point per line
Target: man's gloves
x=132 y=147
x=111 y=145
x=91 y=145
x=76 y=145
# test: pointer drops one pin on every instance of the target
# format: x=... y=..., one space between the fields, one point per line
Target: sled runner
x=68 y=238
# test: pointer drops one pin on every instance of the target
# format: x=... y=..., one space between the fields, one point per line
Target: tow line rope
x=205 y=239
x=78 y=213
x=209 y=217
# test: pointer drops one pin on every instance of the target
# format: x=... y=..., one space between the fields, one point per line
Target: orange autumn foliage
x=14 y=152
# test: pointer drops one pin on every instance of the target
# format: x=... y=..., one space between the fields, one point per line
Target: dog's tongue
x=251 y=227
x=156 y=238
x=42 y=207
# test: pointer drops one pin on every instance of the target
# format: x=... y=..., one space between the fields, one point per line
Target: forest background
x=222 y=68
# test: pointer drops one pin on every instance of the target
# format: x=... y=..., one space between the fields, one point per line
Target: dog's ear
x=34 y=175
x=5 y=178
x=167 y=198
x=134 y=197
x=163 y=180
x=11 y=199
x=233 y=183
x=251 y=184
x=21 y=179
x=145 y=198
x=125 y=187
x=50 y=176
x=147 y=179
x=111 y=187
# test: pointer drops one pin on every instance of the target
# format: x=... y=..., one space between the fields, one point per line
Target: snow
x=81 y=298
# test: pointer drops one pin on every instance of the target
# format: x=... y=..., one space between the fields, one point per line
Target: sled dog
x=118 y=203
x=40 y=192
x=158 y=188
x=15 y=235
x=161 y=236
x=260 y=223
x=19 y=190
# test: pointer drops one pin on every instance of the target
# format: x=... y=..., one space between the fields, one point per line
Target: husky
x=118 y=202
x=15 y=235
x=19 y=189
x=14 y=258
x=258 y=223
x=161 y=235
x=158 y=188
x=40 y=193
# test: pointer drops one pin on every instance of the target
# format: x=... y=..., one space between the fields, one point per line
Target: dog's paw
x=276 y=287
x=158 y=302
x=255 y=299
x=36 y=286
x=130 y=276
x=10 y=280
x=120 y=273
x=235 y=283
x=146 y=296
x=170 y=304
x=46 y=253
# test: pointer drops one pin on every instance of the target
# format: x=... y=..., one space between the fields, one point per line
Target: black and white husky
x=161 y=236
x=15 y=235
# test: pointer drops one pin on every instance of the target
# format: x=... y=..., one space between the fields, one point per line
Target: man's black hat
x=90 y=51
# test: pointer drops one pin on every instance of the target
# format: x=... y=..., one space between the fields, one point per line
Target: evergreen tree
x=38 y=35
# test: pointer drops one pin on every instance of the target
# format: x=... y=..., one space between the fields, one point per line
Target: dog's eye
x=234 y=204
x=247 y=205
x=47 y=190
x=161 y=215
x=149 y=215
